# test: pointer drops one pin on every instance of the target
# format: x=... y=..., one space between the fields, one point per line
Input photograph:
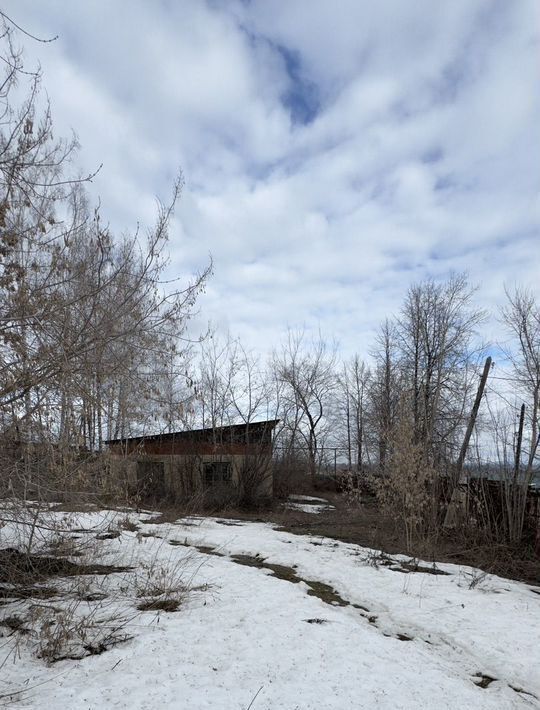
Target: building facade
x=179 y=465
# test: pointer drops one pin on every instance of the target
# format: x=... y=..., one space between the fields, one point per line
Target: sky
x=333 y=152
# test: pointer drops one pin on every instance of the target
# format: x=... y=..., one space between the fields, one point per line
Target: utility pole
x=518 y=443
x=470 y=426
x=452 y=505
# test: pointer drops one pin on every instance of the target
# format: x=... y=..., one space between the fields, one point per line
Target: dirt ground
x=366 y=526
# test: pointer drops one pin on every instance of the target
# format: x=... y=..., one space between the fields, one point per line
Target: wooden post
x=349 y=443
x=518 y=443
x=518 y=491
x=472 y=421
x=450 y=508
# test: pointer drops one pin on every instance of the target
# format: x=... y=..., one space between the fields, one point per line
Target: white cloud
x=419 y=154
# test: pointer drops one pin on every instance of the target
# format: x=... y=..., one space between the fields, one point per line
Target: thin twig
x=25 y=32
x=254 y=697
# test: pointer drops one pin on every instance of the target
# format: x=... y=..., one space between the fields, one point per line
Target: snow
x=315 y=509
x=243 y=631
x=299 y=498
x=307 y=504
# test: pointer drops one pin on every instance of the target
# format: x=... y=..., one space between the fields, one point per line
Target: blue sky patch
x=302 y=98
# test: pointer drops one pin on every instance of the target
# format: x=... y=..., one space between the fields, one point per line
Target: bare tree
x=232 y=385
x=354 y=383
x=307 y=372
x=83 y=316
x=213 y=388
x=503 y=497
x=435 y=332
x=521 y=316
x=385 y=387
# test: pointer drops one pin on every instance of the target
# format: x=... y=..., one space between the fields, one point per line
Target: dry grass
x=160 y=582
x=159 y=605
x=90 y=607
x=73 y=632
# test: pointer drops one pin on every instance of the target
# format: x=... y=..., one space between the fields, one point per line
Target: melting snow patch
x=306 y=499
x=295 y=626
x=316 y=509
x=308 y=504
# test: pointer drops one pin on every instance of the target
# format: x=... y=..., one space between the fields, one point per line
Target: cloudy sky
x=334 y=151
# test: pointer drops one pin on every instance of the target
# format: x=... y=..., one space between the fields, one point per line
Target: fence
x=330 y=460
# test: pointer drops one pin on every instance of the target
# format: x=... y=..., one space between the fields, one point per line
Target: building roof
x=228 y=433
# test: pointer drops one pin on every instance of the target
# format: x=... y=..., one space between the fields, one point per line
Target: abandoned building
x=180 y=464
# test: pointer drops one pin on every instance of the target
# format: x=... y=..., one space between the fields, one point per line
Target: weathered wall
x=184 y=474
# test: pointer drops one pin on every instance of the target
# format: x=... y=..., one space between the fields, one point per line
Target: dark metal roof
x=225 y=432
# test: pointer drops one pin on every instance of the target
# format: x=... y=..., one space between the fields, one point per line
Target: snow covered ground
x=279 y=621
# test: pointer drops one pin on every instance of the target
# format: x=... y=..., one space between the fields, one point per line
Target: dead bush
x=127 y=523
x=254 y=480
x=352 y=492
x=406 y=491
x=158 y=579
x=290 y=476
x=188 y=475
x=70 y=633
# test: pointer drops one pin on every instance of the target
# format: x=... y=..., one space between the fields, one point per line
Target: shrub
x=406 y=491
